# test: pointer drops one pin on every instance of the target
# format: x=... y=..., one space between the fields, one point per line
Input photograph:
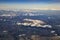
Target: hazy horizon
x=30 y=4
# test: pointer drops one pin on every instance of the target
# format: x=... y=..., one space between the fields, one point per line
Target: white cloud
x=32 y=23
x=52 y=31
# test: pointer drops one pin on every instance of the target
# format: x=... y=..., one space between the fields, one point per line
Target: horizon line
x=34 y=9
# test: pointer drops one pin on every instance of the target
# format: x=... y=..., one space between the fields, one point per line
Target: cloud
x=34 y=23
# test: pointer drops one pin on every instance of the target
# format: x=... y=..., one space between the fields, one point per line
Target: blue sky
x=29 y=4
x=29 y=0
